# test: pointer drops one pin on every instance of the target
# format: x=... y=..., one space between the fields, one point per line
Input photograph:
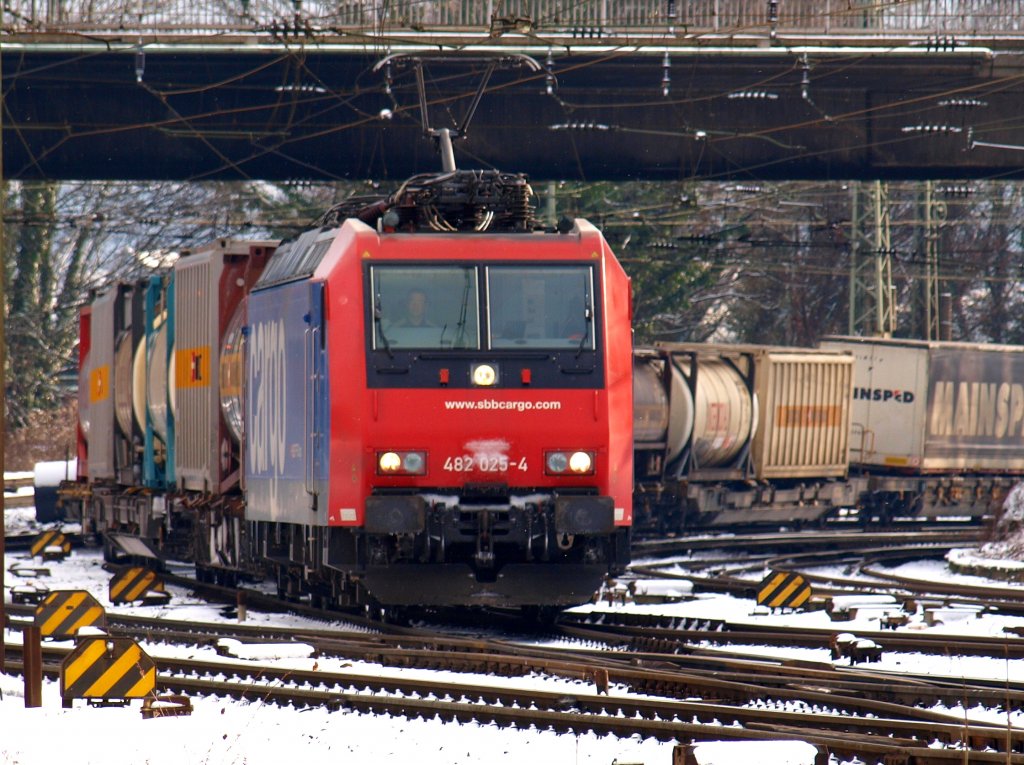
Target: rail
x=969 y=18
x=850 y=711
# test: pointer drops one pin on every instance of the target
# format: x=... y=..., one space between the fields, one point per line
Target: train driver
x=415 y=310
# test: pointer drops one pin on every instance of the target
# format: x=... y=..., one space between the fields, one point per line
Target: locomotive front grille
x=549 y=528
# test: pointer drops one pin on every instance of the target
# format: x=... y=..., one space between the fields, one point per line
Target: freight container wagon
x=730 y=434
x=939 y=426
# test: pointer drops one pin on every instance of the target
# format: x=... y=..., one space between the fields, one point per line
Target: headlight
x=413 y=462
x=484 y=375
x=581 y=462
x=402 y=463
x=569 y=463
x=557 y=462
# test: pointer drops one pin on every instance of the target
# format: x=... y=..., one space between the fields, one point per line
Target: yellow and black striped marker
x=63 y=612
x=783 y=589
x=48 y=540
x=107 y=668
x=134 y=584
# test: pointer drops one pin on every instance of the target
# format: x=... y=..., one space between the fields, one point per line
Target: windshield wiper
x=587 y=316
x=377 y=314
x=460 y=336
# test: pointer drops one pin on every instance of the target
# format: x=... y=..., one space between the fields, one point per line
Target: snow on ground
x=224 y=731
x=252 y=733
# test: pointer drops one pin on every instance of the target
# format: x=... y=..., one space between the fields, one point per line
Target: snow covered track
x=700 y=683
x=644 y=636
x=820 y=719
x=847 y=711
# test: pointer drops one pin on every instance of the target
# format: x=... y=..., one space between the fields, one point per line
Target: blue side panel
x=278 y=465
x=320 y=411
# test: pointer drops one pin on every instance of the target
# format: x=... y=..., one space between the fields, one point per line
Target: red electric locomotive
x=439 y=402
x=435 y=407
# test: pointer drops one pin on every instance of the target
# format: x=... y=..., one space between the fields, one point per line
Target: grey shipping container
x=209 y=284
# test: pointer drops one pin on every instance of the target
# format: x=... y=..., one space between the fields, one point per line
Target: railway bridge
x=614 y=89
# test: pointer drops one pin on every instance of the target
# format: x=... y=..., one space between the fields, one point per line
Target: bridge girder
x=284 y=110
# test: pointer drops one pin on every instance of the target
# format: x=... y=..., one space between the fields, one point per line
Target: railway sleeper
x=848 y=646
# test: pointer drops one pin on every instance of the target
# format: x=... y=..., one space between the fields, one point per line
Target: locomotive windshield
x=425 y=307
x=546 y=307
x=525 y=307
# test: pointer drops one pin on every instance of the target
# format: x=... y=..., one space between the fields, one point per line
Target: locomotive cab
x=463 y=435
x=504 y=471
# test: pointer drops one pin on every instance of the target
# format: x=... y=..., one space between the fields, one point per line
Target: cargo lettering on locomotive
x=268 y=397
x=505 y=406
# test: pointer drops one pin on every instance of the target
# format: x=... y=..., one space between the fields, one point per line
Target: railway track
x=852 y=539
x=910 y=741
x=643 y=633
x=866 y=555
x=693 y=685
x=804 y=705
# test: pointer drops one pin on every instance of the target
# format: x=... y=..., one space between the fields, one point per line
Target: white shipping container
x=936 y=406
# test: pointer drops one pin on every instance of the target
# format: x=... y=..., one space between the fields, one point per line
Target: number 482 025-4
x=466 y=463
